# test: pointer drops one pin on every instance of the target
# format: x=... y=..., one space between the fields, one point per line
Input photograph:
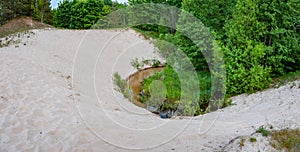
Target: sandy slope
x=56 y=94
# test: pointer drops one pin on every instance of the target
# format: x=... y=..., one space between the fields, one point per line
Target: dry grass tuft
x=287 y=139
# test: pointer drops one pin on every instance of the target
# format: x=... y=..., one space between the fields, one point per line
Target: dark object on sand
x=163 y=115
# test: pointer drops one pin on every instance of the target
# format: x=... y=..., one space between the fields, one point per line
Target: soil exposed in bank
x=135 y=82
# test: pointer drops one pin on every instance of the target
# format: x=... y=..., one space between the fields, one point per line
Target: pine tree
x=24 y=8
x=42 y=10
x=5 y=11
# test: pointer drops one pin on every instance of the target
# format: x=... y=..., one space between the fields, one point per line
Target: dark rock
x=163 y=115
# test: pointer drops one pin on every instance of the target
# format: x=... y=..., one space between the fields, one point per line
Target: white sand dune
x=56 y=94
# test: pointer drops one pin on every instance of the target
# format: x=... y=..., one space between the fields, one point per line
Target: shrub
x=145 y=62
x=136 y=64
x=252 y=139
x=122 y=85
x=263 y=131
x=155 y=63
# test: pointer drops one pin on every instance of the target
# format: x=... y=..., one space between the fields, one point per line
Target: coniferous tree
x=5 y=11
x=39 y=9
x=42 y=11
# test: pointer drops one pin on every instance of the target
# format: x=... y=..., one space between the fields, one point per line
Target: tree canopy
x=78 y=14
x=38 y=9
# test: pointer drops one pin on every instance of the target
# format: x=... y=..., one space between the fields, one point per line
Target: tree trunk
x=42 y=17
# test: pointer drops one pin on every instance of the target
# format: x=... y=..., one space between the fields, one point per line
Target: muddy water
x=135 y=82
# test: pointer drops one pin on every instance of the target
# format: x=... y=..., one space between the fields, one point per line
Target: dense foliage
x=39 y=9
x=78 y=14
x=156 y=29
x=259 y=40
x=173 y=93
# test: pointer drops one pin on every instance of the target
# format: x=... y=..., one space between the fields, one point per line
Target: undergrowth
x=280 y=81
x=286 y=139
x=173 y=86
x=121 y=85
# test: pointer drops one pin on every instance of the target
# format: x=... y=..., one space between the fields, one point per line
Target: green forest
x=259 y=39
x=38 y=9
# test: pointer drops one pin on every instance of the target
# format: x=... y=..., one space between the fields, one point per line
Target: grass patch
x=280 y=81
x=263 y=131
x=287 y=139
x=242 y=142
x=121 y=85
x=252 y=139
x=13 y=31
